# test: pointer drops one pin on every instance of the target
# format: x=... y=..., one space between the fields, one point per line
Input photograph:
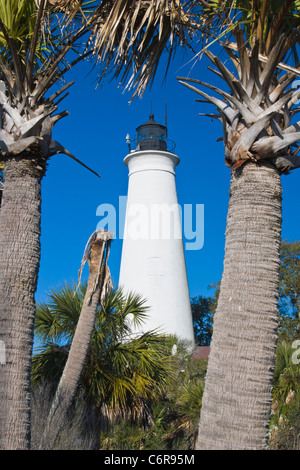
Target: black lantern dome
x=151 y=135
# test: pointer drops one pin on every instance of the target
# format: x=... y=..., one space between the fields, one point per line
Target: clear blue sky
x=95 y=133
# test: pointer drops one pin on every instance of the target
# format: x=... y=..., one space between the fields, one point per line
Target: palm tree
x=40 y=41
x=121 y=373
x=174 y=422
x=259 y=39
x=98 y=286
x=1 y=183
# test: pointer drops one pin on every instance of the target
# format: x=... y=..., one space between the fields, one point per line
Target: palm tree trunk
x=19 y=263
x=98 y=270
x=237 y=397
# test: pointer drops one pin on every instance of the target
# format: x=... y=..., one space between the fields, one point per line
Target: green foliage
x=129 y=436
x=249 y=20
x=214 y=304
x=290 y=278
x=202 y=319
x=285 y=420
x=288 y=328
x=121 y=371
x=284 y=367
x=289 y=290
x=203 y=309
x=18 y=16
x=18 y=20
x=285 y=434
x=175 y=412
x=150 y=403
x=183 y=404
x=288 y=433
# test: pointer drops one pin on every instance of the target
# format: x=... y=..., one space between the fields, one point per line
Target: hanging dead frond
x=96 y=254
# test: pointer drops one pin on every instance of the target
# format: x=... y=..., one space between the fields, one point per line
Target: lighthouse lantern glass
x=152 y=135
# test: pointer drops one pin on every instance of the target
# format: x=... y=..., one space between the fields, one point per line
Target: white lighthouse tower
x=153 y=263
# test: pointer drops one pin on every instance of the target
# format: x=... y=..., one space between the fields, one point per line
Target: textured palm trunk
x=19 y=264
x=238 y=389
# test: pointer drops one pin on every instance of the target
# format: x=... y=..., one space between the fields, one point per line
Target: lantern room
x=152 y=135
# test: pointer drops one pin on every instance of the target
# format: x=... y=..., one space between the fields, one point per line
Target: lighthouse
x=153 y=262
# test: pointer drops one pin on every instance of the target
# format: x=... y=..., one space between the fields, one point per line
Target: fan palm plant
x=121 y=372
x=40 y=41
x=256 y=108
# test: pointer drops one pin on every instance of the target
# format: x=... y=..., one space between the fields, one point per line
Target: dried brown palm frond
x=136 y=411
x=132 y=36
x=99 y=240
x=125 y=37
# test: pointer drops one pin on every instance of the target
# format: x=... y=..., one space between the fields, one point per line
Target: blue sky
x=95 y=133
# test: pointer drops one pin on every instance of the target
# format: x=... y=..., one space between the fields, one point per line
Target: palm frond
x=257 y=111
x=134 y=35
x=48 y=362
x=119 y=370
x=58 y=317
x=249 y=21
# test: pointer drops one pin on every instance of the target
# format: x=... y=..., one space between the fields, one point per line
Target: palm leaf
x=134 y=35
x=117 y=372
x=48 y=363
x=256 y=114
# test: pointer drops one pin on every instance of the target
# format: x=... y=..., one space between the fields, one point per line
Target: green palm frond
x=190 y=401
x=18 y=17
x=248 y=21
x=135 y=366
x=58 y=317
x=48 y=363
x=119 y=370
x=135 y=306
x=129 y=308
